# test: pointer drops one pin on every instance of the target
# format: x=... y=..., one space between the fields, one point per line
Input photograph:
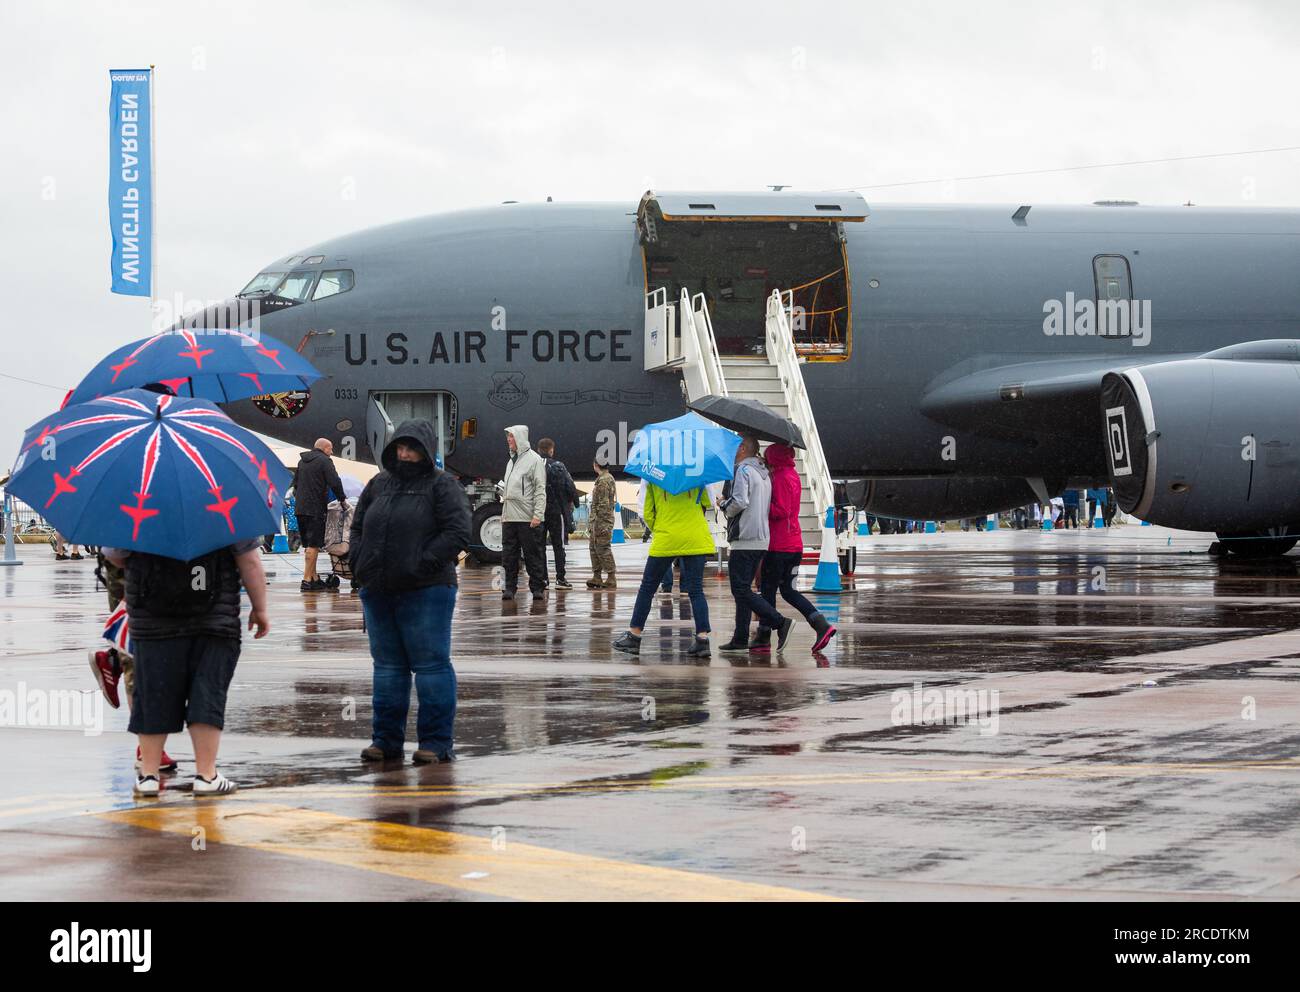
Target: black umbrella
x=749 y=417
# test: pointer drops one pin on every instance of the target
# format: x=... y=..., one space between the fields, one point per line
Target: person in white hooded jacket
x=523 y=507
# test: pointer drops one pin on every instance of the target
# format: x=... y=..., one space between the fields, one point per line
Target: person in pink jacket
x=785 y=548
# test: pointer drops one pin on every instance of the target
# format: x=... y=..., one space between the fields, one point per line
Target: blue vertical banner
x=130 y=180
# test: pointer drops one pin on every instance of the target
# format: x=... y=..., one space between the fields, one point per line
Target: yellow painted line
x=437 y=857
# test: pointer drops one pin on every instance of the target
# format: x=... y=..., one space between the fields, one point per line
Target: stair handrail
x=698 y=328
x=781 y=352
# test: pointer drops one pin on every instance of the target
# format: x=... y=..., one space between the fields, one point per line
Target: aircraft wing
x=1060 y=397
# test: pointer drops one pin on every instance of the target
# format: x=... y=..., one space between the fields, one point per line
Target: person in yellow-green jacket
x=680 y=530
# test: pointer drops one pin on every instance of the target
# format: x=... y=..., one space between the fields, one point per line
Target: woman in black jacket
x=410 y=526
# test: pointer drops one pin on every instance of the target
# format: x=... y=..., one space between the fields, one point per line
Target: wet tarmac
x=1130 y=732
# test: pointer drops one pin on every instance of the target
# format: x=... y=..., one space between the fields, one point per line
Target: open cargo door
x=736 y=248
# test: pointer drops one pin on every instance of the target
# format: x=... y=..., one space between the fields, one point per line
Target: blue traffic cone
x=828 y=564
x=618 y=537
x=929 y=527
x=280 y=545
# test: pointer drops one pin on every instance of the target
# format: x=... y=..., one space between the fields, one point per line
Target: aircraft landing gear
x=485 y=534
x=1271 y=543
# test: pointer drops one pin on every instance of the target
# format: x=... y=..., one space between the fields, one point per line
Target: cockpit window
x=332 y=282
x=295 y=286
x=314 y=260
x=263 y=282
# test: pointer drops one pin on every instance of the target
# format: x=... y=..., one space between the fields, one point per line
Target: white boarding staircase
x=681 y=336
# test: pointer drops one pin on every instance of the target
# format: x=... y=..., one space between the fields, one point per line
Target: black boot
x=762 y=640
x=822 y=627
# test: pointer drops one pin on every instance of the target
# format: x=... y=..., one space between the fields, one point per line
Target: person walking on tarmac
x=411 y=524
x=314 y=475
x=747 y=534
x=680 y=530
x=785 y=550
x=523 y=508
x=561 y=498
x=600 y=529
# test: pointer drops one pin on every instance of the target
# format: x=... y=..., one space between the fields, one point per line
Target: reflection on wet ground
x=1143 y=687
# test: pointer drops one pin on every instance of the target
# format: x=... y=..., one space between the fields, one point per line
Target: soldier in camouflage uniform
x=600 y=529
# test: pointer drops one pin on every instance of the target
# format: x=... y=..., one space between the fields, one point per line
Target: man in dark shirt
x=561 y=498
x=314 y=475
x=185 y=629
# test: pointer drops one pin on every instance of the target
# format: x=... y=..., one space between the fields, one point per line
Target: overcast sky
x=269 y=113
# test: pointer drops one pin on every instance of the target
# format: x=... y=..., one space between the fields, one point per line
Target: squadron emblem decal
x=283 y=406
x=508 y=390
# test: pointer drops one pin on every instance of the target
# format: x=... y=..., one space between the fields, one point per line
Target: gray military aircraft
x=960 y=359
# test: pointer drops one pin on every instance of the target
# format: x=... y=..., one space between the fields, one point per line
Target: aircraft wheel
x=1271 y=543
x=485 y=534
x=849 y=561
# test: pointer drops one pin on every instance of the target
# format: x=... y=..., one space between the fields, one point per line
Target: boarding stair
x=679 y=336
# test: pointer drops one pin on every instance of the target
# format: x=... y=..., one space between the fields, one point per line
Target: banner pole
x=153 y=200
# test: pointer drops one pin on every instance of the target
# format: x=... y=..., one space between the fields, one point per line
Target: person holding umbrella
x=785 y=550
x=184 y=619
x=680 y=530
x=178 y=496
x=678 y=459
x=747 y=509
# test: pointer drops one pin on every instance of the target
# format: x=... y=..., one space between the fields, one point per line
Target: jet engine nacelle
x=944 y=499
x=1206 y=443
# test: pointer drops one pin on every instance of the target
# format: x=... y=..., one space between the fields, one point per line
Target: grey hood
x=520 y=433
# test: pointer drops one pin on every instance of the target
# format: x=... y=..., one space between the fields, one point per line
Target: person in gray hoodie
x=747 y=535
x=523 y=508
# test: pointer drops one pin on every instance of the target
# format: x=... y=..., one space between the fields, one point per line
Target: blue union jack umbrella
x=150 y=472
x=218 y=365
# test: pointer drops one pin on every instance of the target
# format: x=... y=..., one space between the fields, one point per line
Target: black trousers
x=778 y=576
x=522 y=538
x=553 y=524
x=742 y=566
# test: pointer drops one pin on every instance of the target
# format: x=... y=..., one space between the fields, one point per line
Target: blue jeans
x=692 y=583
x=742 y=566
x=668 y=580
x=410 y=634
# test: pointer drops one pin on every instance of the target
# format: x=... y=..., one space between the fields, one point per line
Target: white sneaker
x=147 y=786
x=218 y=785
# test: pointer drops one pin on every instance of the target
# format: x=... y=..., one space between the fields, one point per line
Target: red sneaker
x=168 y=763
x=107 y=672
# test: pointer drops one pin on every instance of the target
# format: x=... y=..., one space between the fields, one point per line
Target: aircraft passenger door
x=379 y=426
x=386 y=410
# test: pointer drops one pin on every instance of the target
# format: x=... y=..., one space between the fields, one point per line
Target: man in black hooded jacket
x=410 y=526
x=314 y=476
